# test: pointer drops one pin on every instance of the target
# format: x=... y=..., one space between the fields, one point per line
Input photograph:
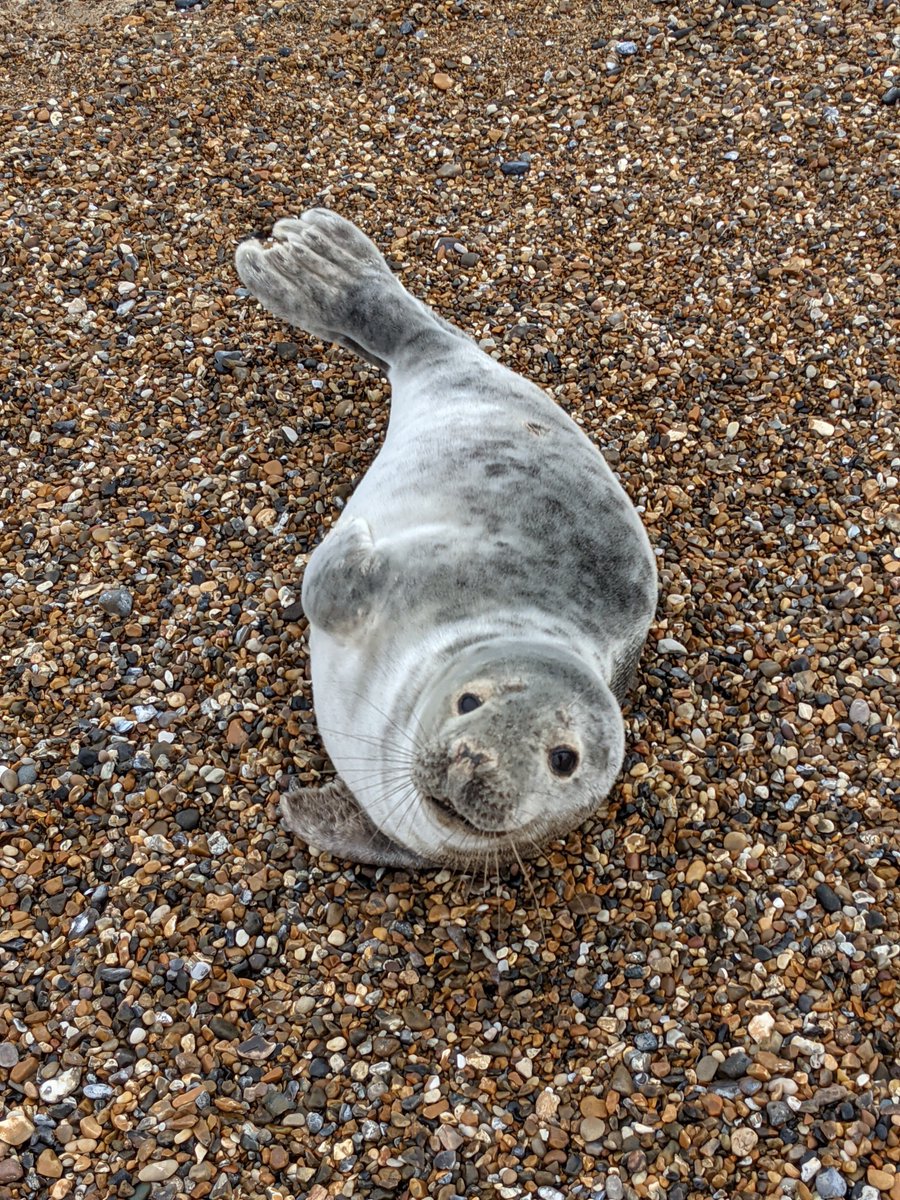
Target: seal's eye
x=563 y=760
x=467 y=703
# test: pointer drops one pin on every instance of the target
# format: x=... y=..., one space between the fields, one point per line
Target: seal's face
x=513 y=751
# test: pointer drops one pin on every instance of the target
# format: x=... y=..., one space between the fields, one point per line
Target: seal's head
x=516 y=746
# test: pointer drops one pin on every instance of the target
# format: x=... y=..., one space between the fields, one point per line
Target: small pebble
x=830 y=1184
x=15 y=1128
x=671 y=646
x=116 y=601
x=827 y=897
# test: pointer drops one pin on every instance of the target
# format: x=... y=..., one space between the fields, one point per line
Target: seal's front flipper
x=330 y=818
x=345 y=579
x=322 y=273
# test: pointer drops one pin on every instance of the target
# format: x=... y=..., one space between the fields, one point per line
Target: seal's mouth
x=450 y=815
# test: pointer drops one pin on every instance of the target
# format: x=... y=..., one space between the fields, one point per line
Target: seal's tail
x=323 y=274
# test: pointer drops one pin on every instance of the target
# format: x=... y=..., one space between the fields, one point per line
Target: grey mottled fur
x=489 y=548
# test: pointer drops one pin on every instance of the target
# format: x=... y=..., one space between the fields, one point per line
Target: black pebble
x=187 y=819
x=829 y=900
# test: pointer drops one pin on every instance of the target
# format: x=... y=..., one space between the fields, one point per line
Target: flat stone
x=9 y=1055
x=15 y=1128
x=257 y=1048
x=592 y=1128
x=116 y=601
x=158 y=1172
x=735 y=1065
x=515 y=167
x=60 y=1086
x=883 y=1180
x=778 y=1114
x=706 y=1069
x=831 y=1184
x=49 y=1165
x=11 y=1170
x=761 y=1026
x=621 y=1081
x=828 y=898
x=743 y=1140
x=226 y=1030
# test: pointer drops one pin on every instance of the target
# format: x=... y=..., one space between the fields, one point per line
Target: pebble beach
x=683 y=221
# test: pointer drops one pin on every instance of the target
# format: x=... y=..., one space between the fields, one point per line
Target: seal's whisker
x=394 y=724
x=530 y=885
x=366 y=739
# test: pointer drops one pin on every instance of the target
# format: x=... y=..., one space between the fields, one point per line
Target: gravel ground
x=697 y=254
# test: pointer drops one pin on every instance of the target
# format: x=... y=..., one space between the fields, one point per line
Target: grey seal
x=477 y=611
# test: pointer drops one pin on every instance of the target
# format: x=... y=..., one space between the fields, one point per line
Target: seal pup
x=477 y=611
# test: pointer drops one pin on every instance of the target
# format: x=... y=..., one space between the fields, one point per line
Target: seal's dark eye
x=467 y=703
x=563 y=760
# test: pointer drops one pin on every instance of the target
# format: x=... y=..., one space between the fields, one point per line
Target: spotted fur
x=489 y=548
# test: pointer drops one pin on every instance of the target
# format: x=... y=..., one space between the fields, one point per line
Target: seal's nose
x=467 y=761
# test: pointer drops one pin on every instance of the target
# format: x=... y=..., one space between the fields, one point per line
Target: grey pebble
x=828 y=898
x=859 y=711
x=647 y=1041
x=116 y=601
x=778 y=1113
x=27 y=774
x=227 y=1030
x=225 y=361
x=98 y=1091
x=626 y=49
x=9 y=780
x=113 y=974
x=83 y=923
x=218 y=844
x=277 y=1103
x=9 y=1055
x=314 y=1122
x=187 y=819
x=830 y=1184
x=735 y=1065
x=615 y=1189
x=671 y=646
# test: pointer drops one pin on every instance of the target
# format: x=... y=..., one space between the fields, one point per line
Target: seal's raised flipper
x=322 y=273
x=331 y=819
x=345 y=579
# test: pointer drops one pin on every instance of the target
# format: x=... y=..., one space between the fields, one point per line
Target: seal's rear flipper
x=324 y=275
x=331 y=818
